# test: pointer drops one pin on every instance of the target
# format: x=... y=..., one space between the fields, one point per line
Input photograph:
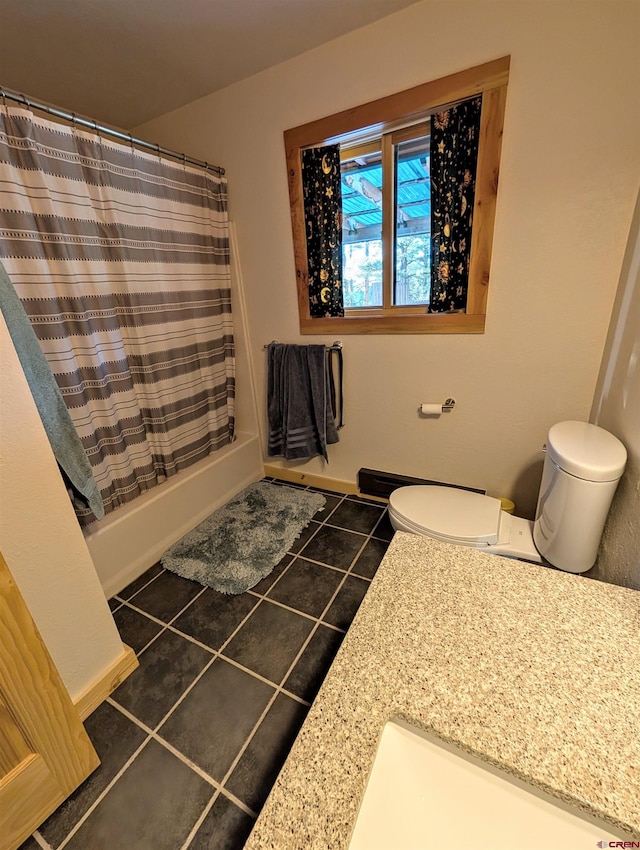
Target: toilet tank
x=581 y=472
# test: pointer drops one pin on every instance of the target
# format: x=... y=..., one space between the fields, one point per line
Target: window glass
x=412 y=223
x=362 y=229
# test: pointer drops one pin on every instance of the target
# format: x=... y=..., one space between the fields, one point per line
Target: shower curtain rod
x=105 y=131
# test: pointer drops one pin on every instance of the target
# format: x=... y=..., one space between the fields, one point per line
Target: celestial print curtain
x=454 y=159
x=322 y=196
x=121 y=261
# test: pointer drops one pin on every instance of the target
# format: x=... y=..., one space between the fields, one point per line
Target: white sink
x=423 y=793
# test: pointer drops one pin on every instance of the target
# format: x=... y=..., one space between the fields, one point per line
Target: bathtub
x=131 y=539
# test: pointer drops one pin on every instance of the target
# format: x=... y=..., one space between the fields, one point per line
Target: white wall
x=570 y=170
x=42 y=543
x=617 y=408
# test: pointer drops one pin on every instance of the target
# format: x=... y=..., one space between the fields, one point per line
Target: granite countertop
x=532 y=669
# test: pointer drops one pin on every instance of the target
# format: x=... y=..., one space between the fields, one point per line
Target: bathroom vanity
x=530 y=669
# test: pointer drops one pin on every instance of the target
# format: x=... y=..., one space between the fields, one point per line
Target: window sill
x=432 y=323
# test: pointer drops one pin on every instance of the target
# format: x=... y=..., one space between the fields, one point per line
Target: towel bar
x=337 y=345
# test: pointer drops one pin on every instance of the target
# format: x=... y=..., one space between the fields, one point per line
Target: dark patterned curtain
x=322 y=196
x=454 y=158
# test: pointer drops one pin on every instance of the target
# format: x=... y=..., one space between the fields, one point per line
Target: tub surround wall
x=450 y=640
x=563 y=213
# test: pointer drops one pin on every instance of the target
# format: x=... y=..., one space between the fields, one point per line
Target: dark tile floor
x=193 y=740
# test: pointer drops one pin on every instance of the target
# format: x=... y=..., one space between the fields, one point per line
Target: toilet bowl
x=582 y=467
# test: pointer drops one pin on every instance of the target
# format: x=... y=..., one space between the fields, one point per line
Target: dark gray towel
x=301 y=418
x=66 y=445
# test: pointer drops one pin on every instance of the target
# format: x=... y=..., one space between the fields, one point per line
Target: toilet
x=582 y=467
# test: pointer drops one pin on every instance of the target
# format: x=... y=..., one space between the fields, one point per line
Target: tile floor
x=193 y=740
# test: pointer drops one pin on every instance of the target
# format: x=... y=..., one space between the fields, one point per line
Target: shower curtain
x=121 y=260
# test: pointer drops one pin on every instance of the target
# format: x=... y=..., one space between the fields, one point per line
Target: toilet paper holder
x=435 y=409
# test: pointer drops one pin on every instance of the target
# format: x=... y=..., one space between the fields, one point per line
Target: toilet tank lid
x=450 y=513
x=586 y=451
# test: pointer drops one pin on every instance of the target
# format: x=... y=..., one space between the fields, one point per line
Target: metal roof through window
x=362 y=195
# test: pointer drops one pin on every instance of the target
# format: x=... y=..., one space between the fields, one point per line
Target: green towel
x=66 y=445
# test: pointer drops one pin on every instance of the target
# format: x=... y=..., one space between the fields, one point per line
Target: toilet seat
x=464 y=518
x=450 y=514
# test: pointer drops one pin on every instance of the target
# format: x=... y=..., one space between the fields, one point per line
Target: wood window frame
x=373 y=120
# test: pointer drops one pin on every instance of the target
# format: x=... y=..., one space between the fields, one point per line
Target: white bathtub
x=131 y=539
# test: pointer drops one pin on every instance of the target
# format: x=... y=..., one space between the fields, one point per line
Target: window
x=393 y=229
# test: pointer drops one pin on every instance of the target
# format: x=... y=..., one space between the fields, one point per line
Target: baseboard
x=96 y=693
x=375 y=482
x=312 y=480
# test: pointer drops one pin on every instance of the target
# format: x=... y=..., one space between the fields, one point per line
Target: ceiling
x=124 y=62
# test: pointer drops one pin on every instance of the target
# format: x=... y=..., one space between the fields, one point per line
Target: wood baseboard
x=106 y=683
x=311 y=480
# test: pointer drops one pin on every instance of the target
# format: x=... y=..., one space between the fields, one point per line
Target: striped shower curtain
x=121 y=260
